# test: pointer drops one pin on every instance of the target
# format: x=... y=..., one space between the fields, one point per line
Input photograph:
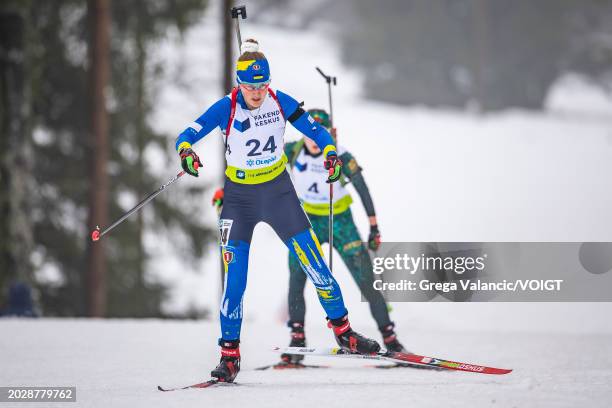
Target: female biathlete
x=258 y=188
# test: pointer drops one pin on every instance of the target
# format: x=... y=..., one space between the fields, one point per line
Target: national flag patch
x=228 y=257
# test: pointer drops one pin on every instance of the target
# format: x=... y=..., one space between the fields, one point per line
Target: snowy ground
x=435 y=176
x=119 y=363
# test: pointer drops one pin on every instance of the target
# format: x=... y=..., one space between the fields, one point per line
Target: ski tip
x=493 y=370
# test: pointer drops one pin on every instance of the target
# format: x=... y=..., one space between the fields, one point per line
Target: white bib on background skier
x=309 y=177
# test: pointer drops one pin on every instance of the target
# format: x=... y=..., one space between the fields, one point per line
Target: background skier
x=309 y=177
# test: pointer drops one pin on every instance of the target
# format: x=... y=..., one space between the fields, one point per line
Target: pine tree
x=56 y=37
x=16 y=240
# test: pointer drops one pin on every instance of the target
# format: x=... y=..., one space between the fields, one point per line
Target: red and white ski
x=204 y=384
x=394 y=357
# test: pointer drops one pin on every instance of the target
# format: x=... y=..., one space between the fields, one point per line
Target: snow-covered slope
x=119 y=363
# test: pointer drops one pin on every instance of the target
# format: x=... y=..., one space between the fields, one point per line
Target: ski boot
x=350 y=340
x=390 y=339
x=298 y=339
x=229 y=366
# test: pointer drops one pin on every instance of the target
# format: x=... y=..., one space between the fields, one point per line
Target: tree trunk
x=228 y=58
x=140 y=137
x=16 y=239
x=98 y=209
x=228 y=76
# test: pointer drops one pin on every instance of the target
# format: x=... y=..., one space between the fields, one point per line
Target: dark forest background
x=77 y=83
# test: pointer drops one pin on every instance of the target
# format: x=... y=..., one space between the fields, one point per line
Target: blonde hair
x=250 y=50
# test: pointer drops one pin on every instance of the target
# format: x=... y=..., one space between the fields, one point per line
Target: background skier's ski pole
x=97 y=234
x=330 y=80
x=238 y=11
x=331 y=222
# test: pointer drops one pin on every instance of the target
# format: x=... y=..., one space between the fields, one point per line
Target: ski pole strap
x=280 y=108
x=233 y=99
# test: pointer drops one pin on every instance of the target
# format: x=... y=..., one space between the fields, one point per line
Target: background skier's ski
x=395 y=357
x=406 y=365
x=289 y=366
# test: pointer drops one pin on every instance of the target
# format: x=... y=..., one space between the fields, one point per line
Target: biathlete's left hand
x=334 y=165
x=374 y=238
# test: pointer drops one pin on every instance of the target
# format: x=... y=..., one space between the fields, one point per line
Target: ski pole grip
x=327 y=78
x=239 y=11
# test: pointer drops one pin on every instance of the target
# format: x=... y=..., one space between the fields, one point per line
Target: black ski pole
x=238 y=11
x=331 y=223
x=96 y=234
x=330 y=81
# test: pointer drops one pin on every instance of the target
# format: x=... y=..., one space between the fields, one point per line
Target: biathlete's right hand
x=190 y=161
x=374 y=238
x=217 y=199
x=334 y=165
